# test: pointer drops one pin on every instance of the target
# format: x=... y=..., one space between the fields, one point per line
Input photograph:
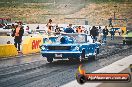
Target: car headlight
x=76 y=48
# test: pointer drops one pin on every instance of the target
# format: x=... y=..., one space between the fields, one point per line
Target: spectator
x=105 y=33
x=79 y=29
x=112 y=32
x=69 y=29
x=86 y=31
x=27 y=28
x=97 y=31
x=29 y=31
x=37 y=27
x=94 y=33
x=110 y=22
x=13 y=28
x=49 y=25
x=57 y=30
x=120 y=32
x=100 y=32
x=18 y=33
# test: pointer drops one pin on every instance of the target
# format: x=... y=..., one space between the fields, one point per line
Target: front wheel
x=93 y=57
x=50 y=60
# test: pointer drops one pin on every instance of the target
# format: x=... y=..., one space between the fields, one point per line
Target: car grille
x=59 y=47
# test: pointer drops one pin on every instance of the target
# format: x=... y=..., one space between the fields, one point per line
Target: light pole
x=115 y=12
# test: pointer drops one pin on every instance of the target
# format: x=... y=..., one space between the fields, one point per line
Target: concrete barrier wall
x=8 y=50
x=31 y=45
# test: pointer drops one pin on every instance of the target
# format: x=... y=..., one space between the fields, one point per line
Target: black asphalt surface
x=35 y=71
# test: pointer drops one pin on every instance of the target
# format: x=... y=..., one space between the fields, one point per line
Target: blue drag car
x=71 y=46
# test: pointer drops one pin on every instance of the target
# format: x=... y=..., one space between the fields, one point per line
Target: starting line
x=115 y=67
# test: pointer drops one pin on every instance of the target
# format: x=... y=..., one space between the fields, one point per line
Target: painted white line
x=115 y=67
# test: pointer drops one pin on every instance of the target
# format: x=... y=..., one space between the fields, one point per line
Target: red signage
x=35 y=44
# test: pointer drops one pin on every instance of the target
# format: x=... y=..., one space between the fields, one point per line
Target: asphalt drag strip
x=60 y=72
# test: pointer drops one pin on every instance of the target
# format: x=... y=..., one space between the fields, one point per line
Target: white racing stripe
x=115 y=67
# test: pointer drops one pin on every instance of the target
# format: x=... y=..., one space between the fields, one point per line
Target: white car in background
x=7 y=30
